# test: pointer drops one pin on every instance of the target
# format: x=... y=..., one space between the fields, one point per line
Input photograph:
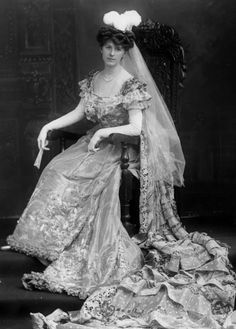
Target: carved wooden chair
x=161 y=48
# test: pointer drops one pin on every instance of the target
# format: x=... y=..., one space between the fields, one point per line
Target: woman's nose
x=112 y=52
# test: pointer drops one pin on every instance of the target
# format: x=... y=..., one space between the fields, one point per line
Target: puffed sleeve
x=135 y=95
x=83 y=87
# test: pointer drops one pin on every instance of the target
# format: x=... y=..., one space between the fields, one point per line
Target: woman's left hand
x=96 y=139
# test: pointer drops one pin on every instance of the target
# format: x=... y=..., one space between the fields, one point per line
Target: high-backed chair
x=162 y=49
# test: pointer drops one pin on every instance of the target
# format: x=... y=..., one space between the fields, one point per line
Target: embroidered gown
x=178 y=280
x=73 y=216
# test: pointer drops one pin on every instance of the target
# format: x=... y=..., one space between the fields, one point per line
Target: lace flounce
x=30 y=250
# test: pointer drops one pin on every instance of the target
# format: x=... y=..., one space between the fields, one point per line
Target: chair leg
x=62 y=144
x=126 y=190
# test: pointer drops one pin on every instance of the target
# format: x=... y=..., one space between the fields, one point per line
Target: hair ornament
x=123 y=22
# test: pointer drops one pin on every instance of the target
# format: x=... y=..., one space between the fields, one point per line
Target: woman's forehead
x=110 y=42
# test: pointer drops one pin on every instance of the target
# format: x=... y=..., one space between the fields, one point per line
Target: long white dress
x=165 y=278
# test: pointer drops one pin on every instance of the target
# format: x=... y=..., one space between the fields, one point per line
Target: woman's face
x=111 y=53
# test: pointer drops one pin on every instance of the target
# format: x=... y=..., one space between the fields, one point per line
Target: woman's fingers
x=94 y=150
x=93 y=144
x=45 y=145
x=46 y=148
x=92 y=147
x=42 y=144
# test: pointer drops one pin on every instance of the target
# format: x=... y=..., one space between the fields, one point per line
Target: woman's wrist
x=108 y=131
x=47 y=127
x=104 y=132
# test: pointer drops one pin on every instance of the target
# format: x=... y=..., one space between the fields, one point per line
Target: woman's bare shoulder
x=126 y=75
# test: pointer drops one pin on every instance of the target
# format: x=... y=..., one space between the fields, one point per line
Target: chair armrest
x=59 y=133
x=125 y=139
x=115 y=138
x=63 y=136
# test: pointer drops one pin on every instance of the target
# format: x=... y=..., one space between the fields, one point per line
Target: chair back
x=163 y=52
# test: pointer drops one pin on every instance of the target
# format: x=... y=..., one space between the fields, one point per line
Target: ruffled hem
x=197 y=251
x=30 y=250
x=39 y=321
x=38 y=281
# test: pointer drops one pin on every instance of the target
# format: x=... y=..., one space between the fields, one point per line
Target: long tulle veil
x=165 y=157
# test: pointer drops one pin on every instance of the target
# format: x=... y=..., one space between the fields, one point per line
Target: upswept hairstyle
x=120 y=38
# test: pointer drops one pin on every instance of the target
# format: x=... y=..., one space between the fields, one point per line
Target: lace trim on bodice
x=112 y=110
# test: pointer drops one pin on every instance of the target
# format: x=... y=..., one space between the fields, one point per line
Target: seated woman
x=73 y=216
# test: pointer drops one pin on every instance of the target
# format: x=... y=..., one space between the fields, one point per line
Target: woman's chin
x=111 y=63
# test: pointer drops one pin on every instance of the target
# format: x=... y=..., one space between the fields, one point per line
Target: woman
x=73 y=216
x=185 y=280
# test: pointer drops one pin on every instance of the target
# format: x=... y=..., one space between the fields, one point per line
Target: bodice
x=113 y=110
x=107 y=111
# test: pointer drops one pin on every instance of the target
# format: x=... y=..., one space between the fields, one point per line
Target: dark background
x=46 y=46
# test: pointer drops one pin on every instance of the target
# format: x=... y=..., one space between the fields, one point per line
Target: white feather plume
x=110 y=17
x=123 y=22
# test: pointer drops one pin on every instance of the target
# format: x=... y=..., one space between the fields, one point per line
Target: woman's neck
x=110 y=70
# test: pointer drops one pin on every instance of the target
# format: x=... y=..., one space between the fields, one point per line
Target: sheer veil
x=164 y=152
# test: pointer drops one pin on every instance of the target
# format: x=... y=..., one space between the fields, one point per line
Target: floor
x=16 y=303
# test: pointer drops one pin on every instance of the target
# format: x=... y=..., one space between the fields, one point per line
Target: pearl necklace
x=107 y=77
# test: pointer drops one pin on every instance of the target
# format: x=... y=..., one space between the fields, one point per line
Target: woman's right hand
x=42 y=138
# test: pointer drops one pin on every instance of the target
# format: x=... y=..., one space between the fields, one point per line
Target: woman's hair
x=120 y=38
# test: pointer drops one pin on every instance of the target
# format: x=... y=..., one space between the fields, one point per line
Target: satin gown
x=167 y=278
x=73 y=216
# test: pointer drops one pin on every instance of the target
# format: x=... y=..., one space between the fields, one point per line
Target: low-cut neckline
x=108 y=97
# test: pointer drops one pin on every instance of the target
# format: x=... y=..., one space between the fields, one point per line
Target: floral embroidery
x=112 y=111
x=73 y=219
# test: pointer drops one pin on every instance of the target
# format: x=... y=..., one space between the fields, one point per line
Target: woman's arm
x=66 y=120
x=132 y=129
